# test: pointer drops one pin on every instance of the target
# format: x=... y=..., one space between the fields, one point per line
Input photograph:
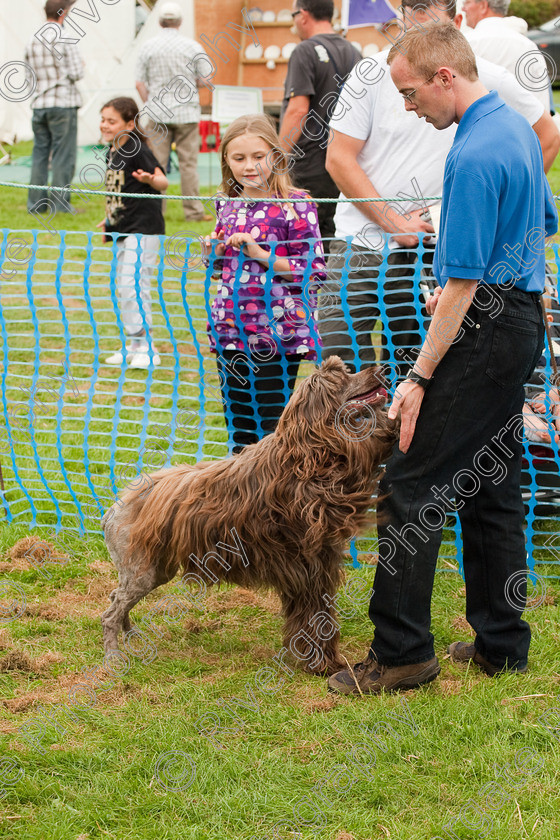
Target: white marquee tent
x=109 y=48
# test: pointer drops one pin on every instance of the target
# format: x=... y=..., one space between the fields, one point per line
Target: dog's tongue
x=376 y=395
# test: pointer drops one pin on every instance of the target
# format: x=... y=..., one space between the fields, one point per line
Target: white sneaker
x=144 y=359
x=117 y=358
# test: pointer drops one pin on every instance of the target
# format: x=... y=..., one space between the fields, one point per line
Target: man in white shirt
x=379 y=149
x=168 y=73
x=493 y=38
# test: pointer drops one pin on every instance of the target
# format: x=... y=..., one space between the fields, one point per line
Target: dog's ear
x=305 y=429
x=316 y=398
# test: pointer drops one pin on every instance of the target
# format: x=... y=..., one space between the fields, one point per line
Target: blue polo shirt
x=497 y=205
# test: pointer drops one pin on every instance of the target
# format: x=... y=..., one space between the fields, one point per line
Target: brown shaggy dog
x=276 y=515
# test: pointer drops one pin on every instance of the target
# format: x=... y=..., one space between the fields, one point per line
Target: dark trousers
x=321 y=186
x=467 y=445
x=255 y=393
x=55 y=131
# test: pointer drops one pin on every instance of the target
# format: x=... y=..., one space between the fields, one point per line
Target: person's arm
x=142 y=85
x=290 y=130
x=246 y=243
x=202 y=78
x=549 y=138
x=155 y=179
x=343 y=167
x=452 y=305
x=142 y=90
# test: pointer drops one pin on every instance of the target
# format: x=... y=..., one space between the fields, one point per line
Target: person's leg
x=273 y=383
x=37 y=199
x=474 y=397
x=494 y=561
x=133 y=287
x=142 y=344
x=348 y=305
x=239 y=410
x=255 y=393
x=160 y=138
x=186 y=143
x=63 y=125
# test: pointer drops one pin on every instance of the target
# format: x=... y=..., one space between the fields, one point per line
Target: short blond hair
x=440 y=44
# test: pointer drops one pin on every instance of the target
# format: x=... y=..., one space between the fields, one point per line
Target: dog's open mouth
x=373 y=397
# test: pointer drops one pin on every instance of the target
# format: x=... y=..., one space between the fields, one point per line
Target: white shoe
x=144 y=359
x=117 y=358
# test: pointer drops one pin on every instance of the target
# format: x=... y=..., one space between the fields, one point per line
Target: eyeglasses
x=296 y=13
x=408 y=96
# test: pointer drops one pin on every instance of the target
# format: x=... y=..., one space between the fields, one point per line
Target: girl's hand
x=206 y=244
x=244 y=241
x=144 y=177
x=101 y=225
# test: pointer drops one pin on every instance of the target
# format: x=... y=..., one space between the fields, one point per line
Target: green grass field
x=188 y=737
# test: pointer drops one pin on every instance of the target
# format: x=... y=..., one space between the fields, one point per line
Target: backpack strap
x=317 y=39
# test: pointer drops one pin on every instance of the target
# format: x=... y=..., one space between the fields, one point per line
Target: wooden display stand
x=254 y=72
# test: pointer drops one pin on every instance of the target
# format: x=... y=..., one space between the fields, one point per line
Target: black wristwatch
x=413 y=376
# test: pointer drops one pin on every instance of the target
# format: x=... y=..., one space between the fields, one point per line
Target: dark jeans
x=321 y=186
x=350 y=304
x=255 y=393
x=467 y=445
x=55 y=131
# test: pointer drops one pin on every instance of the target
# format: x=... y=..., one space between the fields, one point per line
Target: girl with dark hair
x=136 y=224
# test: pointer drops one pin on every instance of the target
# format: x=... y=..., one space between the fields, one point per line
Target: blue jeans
x=55 y=131
x=467 y=445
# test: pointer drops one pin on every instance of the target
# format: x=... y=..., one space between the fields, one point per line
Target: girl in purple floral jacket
x=270 y=258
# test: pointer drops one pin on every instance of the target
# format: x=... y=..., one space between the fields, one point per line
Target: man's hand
x=432 y=302
x=415 y=224
x=407 y=401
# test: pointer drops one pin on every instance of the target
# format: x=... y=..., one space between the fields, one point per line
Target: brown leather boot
x=369 y=677
x=466 y=652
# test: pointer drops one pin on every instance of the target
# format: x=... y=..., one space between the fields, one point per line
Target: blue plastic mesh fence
x=75 y=431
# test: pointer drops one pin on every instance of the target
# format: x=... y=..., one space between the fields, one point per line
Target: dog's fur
x=293 y=499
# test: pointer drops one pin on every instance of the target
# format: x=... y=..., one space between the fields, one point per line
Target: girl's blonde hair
x=279 y=183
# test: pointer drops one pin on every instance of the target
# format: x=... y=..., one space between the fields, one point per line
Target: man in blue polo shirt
x=461 y=406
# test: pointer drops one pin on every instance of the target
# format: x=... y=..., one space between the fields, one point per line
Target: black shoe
x=369 y=677
x=466 y=652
